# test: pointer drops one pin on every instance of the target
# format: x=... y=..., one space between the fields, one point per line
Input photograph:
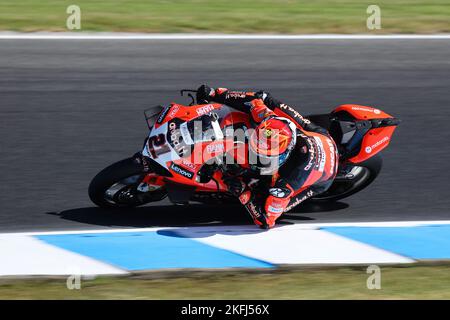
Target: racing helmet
x=271 y=142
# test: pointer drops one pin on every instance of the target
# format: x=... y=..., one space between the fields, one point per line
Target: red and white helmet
x=272 y=141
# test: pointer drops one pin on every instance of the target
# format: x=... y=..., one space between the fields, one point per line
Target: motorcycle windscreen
x=203 y=129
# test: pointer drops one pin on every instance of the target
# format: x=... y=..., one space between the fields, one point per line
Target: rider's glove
x=205 y=93
x=259 y=110
x=235 y=185
x=239 y=189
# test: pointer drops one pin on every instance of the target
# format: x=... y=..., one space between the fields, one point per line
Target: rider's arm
x=283 y=110
x=259 y=104
x=239 y=100
x=248 y=102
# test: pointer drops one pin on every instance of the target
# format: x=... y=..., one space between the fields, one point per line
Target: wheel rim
x=128 y=191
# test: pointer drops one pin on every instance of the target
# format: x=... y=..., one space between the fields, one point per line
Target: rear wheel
x=119 y=185
x=352 y=179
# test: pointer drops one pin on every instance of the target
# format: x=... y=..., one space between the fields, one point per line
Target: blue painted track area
x=421 y=242
x=150 y=250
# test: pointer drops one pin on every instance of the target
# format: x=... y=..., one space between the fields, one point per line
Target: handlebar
x=190 y=91
x=182 y=91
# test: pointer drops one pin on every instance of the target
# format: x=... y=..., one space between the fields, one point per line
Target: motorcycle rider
x=307 y=157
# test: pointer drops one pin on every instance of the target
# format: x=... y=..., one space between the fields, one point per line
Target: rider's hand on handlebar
x=235 y=185
x=204 y=93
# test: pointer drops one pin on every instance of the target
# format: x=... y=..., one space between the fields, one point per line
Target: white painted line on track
x=85 y=231
x=294 y=246
x=308 y=243
x=244 y=228
x=24 y=255
x=162 y=36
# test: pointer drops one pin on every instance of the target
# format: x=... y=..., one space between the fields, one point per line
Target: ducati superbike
x=183 y=155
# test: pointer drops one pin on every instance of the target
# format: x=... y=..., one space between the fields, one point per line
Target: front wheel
x=117 y=186
x=352 y=179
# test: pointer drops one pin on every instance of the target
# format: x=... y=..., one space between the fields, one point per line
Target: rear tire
x=342 y=188
x=118 y=173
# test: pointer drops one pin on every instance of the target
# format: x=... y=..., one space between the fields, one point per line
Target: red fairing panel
x=362 y=112
x=185 y=113
x=373 y=142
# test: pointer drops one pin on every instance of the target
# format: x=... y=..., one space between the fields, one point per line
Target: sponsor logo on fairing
x=369 y=149
x=376 y=111
x=185 y=133
x=174 y=111
x=189 y=164
x=162 y=115
x=205 y=109
x=177 y=139
x=332 y=155
x=321 y=155
x=215 y=148
x=181 y=171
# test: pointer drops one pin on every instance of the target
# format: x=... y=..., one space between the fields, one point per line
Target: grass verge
x=228 y=16
x=422 y=281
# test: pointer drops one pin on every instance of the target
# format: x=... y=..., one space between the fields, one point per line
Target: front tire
x=116 y=186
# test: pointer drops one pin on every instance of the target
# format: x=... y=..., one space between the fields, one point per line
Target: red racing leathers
x=309 y=170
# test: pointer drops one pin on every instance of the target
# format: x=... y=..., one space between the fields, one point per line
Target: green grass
x=407 y=282
x=228 y=16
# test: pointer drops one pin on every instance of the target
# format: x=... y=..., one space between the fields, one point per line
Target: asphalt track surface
x=70 y=108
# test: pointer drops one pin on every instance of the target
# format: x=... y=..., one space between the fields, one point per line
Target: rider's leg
x=254 y=208
x=308 y=193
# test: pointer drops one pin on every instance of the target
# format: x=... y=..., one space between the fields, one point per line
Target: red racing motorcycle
x=183 y=156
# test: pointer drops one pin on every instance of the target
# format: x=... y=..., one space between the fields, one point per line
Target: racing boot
x=276 y=203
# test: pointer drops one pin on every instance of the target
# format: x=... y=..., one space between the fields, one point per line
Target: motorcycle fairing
x=369 y=134
x=373 y=142
x=173 y=143
x=362 y=112
x=157 y=147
